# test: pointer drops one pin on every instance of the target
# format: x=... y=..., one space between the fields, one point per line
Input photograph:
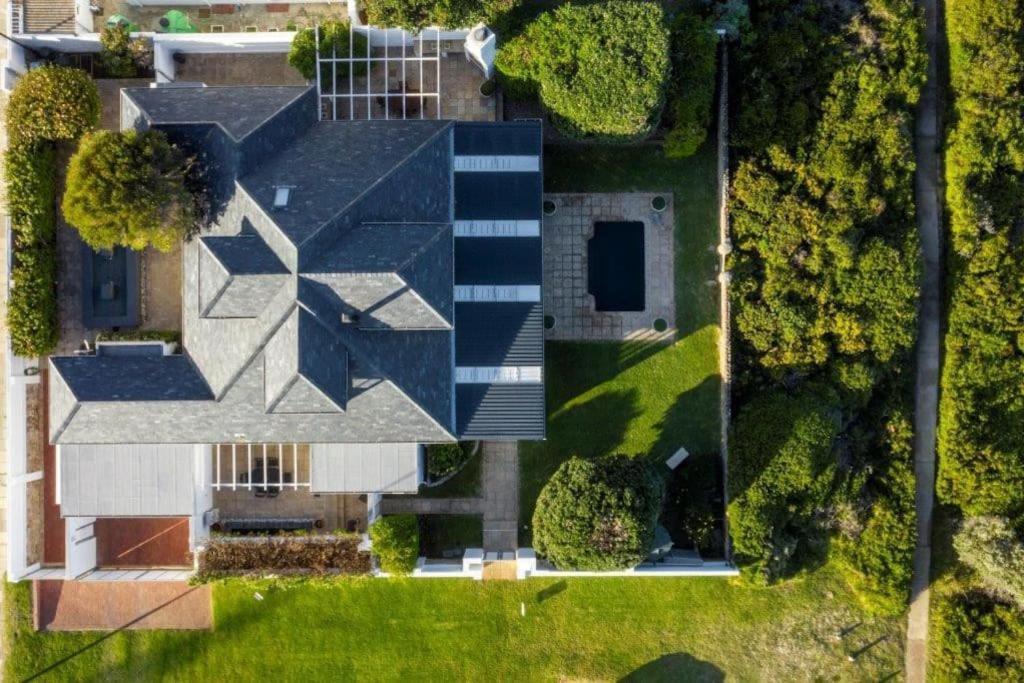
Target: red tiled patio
x=110 y=605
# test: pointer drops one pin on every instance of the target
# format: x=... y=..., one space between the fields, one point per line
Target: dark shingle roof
x=132 y=378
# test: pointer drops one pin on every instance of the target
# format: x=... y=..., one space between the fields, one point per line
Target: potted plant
x=488 y=87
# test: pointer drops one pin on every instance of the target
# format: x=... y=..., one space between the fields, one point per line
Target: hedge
x=692 y=89
x=598 y=514
x=52 y=103
x=415 y=14
x=396 y=543
x=313 y=554
x=445 y=458
x=600 y=69
x=978 y=638
x=31 y=192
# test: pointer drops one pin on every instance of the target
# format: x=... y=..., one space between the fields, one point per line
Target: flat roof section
x=491 y=334
x=498 y=261
x=513 y=137
x=505 y=196
x=500 y=412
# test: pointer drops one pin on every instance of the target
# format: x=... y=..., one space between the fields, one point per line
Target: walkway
x=109 y=605
x=927 y=183
x=499 y=504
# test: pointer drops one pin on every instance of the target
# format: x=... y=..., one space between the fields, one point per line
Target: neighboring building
x=365 y=287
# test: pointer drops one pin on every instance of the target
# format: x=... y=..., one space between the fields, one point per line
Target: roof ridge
x=448 y=125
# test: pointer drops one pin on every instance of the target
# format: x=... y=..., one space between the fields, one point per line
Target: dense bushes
x=979 y=638
x=415 y=14
x=334 y=40
x=396 y=543
x=120 y=56
x=990 y=547
x=692 y=87
x=319 y=554
x=52 y=103
x=129 y=189
x=981 y=443
x=598 y=514
x=600 y=69
x=824 y=290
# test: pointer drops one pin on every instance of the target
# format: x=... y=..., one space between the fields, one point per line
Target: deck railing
x=248 y=466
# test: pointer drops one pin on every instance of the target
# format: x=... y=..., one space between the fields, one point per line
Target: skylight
x=281 y=195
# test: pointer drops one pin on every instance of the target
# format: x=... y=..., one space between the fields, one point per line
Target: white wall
x=79 y=546
x=203 y=473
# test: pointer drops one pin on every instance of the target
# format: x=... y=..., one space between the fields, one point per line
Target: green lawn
x=597 y=629
x=636 y=398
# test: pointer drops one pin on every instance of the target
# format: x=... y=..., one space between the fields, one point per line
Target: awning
x=126 y=480
x=365 y=468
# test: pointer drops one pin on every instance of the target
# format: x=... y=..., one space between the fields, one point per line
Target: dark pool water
x=615 y=273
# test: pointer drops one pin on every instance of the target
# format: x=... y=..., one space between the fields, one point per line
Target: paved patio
x=229 y=16
x=567 y=302
x=238 y=69
x=117 y=605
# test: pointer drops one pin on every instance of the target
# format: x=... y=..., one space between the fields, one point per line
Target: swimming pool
x=110 y=288
x=615 y=269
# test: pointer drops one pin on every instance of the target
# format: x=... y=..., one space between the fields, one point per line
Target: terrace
x=224 y=18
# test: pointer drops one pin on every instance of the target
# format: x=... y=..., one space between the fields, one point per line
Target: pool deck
x=566 y=297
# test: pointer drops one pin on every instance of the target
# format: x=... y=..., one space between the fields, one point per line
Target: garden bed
x=291 y=554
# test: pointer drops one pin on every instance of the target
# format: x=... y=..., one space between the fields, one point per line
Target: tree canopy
x=334 y=40
x=598 y=514
x=52 y=103
x=416 y=14
x=128 y=189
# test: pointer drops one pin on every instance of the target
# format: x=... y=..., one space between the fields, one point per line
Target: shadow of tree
x=679 y=666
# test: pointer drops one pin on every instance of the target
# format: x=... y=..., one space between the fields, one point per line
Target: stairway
x=49 y=16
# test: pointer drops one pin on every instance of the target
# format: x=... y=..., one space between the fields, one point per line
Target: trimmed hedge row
x=318 y=554
x=31 y=194
x=396 y=543
x=415 y=14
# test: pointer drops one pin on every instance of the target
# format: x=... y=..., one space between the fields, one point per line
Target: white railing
x=235 y=464
x=15 y=18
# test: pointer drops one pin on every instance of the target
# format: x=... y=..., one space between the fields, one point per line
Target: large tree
x=598 y=514
x=53 y=103
x=128 y=189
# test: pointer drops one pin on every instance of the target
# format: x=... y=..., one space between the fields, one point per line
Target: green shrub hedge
x=993 y=549
x=31 y=194
x=334 y=39
x=52 y=103
x=600 y=69
x=445 y=458
x=598 y=514
x=415 y=14
x=692 y=88
x=314 y=554
x=979 y=638
x=396 y=543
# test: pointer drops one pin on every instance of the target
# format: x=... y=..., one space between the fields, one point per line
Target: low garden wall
x=325 y=554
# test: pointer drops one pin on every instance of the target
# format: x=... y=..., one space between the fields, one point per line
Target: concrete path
x=927 y=149
x=499 y=504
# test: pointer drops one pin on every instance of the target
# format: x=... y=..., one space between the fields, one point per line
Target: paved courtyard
x=567 y=301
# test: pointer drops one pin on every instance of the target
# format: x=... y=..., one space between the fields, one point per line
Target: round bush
x=600 y=69
x=445 y=458
x=334 y=40
x=979 y=638
x=598 y=514
x=129 y=189
x=396 y=543
x=52 y=103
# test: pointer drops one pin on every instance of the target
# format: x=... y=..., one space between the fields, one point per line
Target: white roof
x=365 y=468
x=126 y=480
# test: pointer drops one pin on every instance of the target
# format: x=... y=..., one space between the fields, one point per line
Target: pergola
x=393 y=100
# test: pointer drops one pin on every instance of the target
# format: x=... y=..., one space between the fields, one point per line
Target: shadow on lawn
x=675 y=667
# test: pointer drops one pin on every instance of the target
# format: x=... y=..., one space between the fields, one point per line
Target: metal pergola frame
x=235 y=450
x=369 y=60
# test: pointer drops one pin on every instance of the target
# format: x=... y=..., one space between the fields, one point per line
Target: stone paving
x=566 y=297
x=238 y=69
x=499 y=504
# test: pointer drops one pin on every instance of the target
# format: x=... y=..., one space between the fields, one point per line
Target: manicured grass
x=596 y=629
x=635 y=398
x=445 y=532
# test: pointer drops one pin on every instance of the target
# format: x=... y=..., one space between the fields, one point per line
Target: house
x=364 y=288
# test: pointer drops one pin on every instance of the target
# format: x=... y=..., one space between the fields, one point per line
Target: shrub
x=129 y=189
x=396 y=543
x=600 y=69
x=31 y=193
x=692 y=89
x=991 y=547
x=781 y=470
x=445 y=458
x=334 y=39
x=979 y=638
x=598 y=514
x=318 y=554
x=415 y=14
x=119 y=54
x=52 y=103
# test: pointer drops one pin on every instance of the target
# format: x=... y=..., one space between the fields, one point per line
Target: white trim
x=497 y=163
x=497 y=293
x=496 y=227
x=508 y=374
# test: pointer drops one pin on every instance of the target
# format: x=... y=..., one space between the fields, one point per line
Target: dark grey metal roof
x=239 y=111
x=499 y=334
